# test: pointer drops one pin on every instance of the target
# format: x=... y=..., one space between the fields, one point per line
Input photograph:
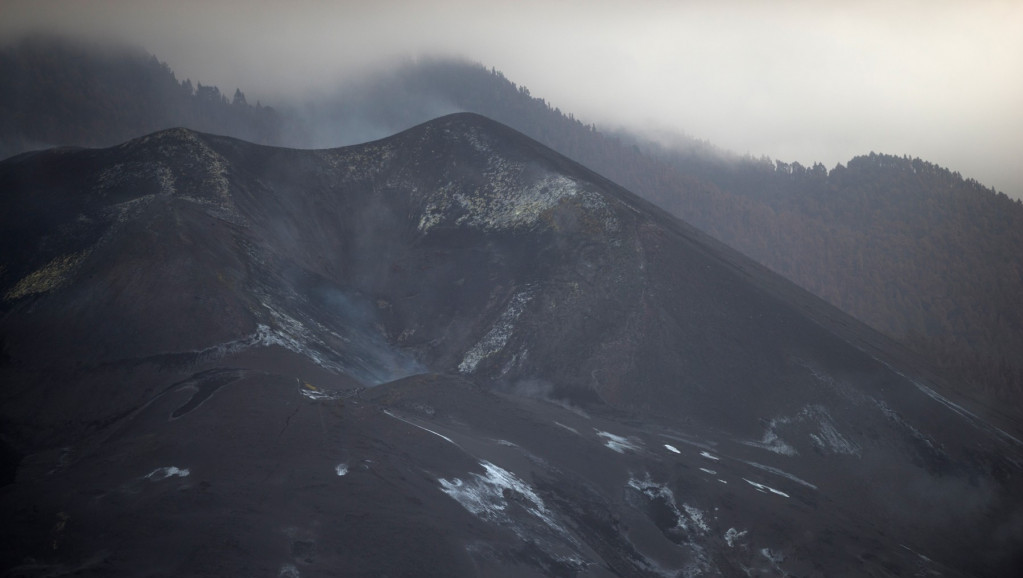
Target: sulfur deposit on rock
x=48 y=277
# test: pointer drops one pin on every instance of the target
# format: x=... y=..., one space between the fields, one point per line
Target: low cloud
x=796 y=80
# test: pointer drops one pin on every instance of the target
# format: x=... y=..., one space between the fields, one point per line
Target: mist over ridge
x=794 y=80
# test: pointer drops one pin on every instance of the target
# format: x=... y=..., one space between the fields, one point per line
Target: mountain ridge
x=450 y=351
x=828 y=318
x=918 y=266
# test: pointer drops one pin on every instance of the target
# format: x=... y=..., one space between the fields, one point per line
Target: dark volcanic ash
x=448 y=352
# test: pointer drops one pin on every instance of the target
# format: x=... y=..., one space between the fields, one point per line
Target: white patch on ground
x=517 y=360
x=341 y=469
x=317 y=394
x=688 y=519
x=498 y=496
x=495 y=339
x=781 y=473
x=696 y=517
x=215 y=180
x=894 y=416
x=263 y=337
x=127 y=211
x=766 y=489
x=775 y=557
x=486 y=495
x=510 y=205
x=441 y=436
x=213 y=192
x=292 y=335
x=618 y=443
x=168 y=472
x=288 y=571
x=706 y=471
x=732 y=535
x=722 y=481
x=922 y=557
x=710 y=456
x=843 y=388
x=135 y=174
x=963 y=412
x=377 y=365
x=672 y=449
x=288 y=333
x=354 y=163
x=707 y=446
x=771 y=442
x=569 y=428
x=828 y=438
x=966 y=414
x=523 y=207
x=690 y=526
x=512 y=197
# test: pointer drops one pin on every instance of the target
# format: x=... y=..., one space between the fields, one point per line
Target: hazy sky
x=796 y=80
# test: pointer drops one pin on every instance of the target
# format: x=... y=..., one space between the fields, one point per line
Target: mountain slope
x=920 y=253
x=449 y=352
x=915 y=250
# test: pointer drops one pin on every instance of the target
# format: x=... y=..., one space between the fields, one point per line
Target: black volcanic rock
x=448 y=352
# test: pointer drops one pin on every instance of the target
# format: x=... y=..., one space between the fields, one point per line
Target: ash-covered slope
x=449 y=352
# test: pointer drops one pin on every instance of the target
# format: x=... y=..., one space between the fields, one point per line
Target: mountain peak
x=512 y=362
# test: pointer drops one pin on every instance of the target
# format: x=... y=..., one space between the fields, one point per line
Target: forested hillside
x=915 y=250
x=60 y=92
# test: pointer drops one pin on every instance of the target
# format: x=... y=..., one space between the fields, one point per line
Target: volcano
x=451 y=352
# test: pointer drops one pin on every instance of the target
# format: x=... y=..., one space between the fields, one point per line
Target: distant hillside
x=911 y=248
x=915 y=250
x=61 y=92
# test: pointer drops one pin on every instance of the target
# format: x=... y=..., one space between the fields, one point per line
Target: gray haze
x=795 y=80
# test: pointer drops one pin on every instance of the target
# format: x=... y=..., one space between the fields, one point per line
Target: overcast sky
x=795 y=80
